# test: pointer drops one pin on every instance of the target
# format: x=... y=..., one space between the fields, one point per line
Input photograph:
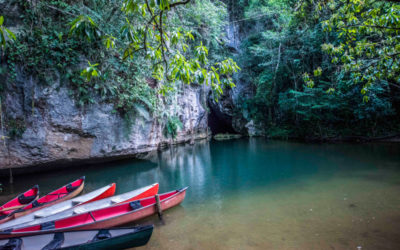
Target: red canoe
x=103 y=218
x=62 y=194
x=20 y=201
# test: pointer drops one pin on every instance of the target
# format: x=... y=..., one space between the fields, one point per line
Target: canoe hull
x=30 y=209
x=122 y=242
x=95 y=195
x=134 y=216
x=113 y=238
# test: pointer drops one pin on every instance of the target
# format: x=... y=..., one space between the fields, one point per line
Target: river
x=260 y=194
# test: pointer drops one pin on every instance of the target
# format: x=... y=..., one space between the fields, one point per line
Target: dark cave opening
x=218 y=122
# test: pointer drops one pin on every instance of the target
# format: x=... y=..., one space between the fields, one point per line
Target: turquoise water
x=259 y=194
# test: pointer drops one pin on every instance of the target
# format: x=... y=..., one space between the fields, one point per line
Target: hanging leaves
x=5 y=34
x=84 y=27
x=90 y=72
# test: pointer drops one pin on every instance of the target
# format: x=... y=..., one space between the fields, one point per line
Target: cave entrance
x=218 y=121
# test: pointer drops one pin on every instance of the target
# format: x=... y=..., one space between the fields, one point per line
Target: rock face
x=229 y=110
x=56 y=130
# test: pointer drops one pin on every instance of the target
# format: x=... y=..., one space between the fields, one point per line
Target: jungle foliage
x=111 y=49
x=316 y=68
x=323 y=68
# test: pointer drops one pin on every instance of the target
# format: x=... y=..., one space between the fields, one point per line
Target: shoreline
x=75 y=162
x=141 y=154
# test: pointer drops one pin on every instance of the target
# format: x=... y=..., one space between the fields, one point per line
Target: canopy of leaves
x=367 y=44
x=126 y=42
x=350 y=49
x=171 y=48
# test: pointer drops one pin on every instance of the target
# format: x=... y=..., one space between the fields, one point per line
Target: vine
x=172 y=126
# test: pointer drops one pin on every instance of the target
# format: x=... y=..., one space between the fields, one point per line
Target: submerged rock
x=222 y=137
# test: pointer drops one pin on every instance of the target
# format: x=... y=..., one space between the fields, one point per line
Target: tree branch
x=374 y=26
x=62 y=11
x=178 y=3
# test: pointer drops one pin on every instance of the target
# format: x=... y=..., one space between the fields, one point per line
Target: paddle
x=11 y=208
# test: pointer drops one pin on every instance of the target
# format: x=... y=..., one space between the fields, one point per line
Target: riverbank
x=152 y=152
x=352 y=139
x=144 y=153
x=141 y=153
x=395 y=138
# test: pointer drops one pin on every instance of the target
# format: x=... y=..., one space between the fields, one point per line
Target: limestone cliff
x=50 y=127
x=56 y=129
x=228 y=110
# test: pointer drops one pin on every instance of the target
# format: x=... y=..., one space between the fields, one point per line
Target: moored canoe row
x=95 y=195
x=57 y=215
x=103 y=218
x=107 y=202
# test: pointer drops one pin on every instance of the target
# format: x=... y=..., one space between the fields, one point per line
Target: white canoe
x=97 y=194
x=137 y=194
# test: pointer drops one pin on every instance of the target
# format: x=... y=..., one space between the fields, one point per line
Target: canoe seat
x=103 y=234
x=14 y=243
x=38 y=215
x=56 y=243
x=36 y=204
x=26 y=199
x=76 y=202
x=135 y=205
x=79 y=210
x=116 y=199
x=47 y=225
x=71 y=188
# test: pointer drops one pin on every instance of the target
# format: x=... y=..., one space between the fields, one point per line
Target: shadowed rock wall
x=57 y=130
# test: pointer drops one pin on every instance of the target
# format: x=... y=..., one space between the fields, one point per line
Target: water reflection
x=257 y=194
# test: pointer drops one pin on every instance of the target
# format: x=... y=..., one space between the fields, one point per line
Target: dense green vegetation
x=111 y=49
x=323 y=68
x=315 y=68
